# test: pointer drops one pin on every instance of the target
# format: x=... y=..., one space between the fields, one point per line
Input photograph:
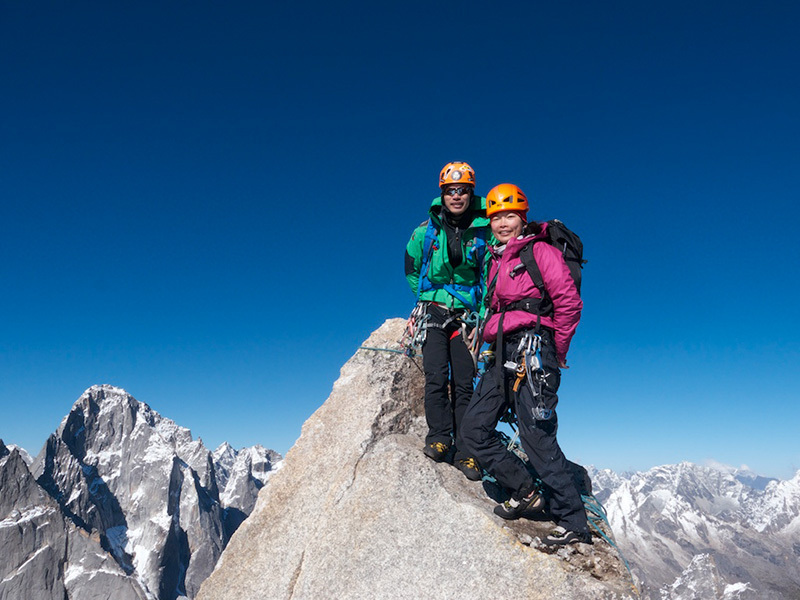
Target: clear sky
x=207 y=204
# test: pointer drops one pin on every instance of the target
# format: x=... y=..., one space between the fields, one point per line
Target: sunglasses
x=457 y=191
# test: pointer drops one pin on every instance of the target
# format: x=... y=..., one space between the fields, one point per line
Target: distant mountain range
x=687 y=527
x=121 y=503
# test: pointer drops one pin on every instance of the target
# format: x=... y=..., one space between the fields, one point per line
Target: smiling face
x=506 y=225
x=456 y=198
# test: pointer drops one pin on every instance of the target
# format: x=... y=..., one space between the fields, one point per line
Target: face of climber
x=456 y=198
x=506 y=225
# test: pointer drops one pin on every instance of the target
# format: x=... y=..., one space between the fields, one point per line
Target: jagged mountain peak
x=743 y=474
x=701 y=581
x=144 y=491
x=45 y=555
x=27 y=458
x=238 y=471
x=124 y=412
x=225 y=452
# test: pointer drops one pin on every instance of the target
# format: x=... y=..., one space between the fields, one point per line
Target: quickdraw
x=527 y=366
x=419 y=323
x=416 y=329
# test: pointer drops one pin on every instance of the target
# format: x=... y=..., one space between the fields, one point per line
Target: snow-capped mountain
x=241 y=471
x=144 y=490
x=701 y=581
x=667 y=517
x=23 y=454
x=240 y=475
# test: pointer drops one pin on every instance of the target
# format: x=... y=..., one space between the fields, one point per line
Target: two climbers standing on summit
x=474 y=263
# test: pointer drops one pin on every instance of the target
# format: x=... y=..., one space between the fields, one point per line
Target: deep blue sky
x=207 y=205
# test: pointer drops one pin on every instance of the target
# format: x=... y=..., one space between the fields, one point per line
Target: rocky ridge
x=357 y=511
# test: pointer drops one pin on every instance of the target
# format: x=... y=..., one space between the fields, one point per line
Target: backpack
x=567 y=241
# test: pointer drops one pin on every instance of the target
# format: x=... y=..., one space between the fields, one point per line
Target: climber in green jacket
x=444 y=267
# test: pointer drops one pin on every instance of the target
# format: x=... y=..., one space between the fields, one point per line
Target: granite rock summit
x=357 y=511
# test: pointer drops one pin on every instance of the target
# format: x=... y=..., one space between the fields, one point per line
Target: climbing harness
x=420 y=321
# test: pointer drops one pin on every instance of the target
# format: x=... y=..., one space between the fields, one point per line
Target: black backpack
x=571 y=247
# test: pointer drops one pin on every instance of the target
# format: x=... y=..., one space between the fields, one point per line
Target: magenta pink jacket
x=557 y=281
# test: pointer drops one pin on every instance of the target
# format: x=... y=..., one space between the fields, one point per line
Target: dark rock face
x=120 y=503
x=45 y=556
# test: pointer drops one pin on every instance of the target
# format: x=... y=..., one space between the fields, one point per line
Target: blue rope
x=597 y=515
x=382 y=349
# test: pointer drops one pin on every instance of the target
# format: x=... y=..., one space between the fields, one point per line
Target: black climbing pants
x=449 y=373
x=538 y=437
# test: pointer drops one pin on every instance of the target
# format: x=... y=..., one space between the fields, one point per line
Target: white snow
x=17 y=517
x=72 y=572
x=735 y=588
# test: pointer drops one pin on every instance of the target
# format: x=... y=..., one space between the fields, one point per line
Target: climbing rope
x=382 y=349
x=393 y=351
x=598 y=521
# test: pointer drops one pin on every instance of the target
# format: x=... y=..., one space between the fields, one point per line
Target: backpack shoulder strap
x=526 y=256
x=431 y=237
x=481 y=251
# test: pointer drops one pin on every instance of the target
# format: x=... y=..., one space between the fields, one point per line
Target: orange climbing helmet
x=457 y=172
x=506 y=196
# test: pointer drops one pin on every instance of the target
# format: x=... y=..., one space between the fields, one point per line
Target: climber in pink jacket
x=532 y=327
x=510 y=286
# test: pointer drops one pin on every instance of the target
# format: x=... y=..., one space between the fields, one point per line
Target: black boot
x=514 y=509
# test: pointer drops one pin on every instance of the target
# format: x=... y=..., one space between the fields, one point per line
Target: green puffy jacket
x=439 y=270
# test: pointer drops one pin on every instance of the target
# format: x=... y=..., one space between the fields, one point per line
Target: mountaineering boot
x=561 y=537
x=514 y=509
x=469 y=467
x=436 y=451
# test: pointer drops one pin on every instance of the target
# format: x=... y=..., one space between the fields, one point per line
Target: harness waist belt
x=535 y=306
